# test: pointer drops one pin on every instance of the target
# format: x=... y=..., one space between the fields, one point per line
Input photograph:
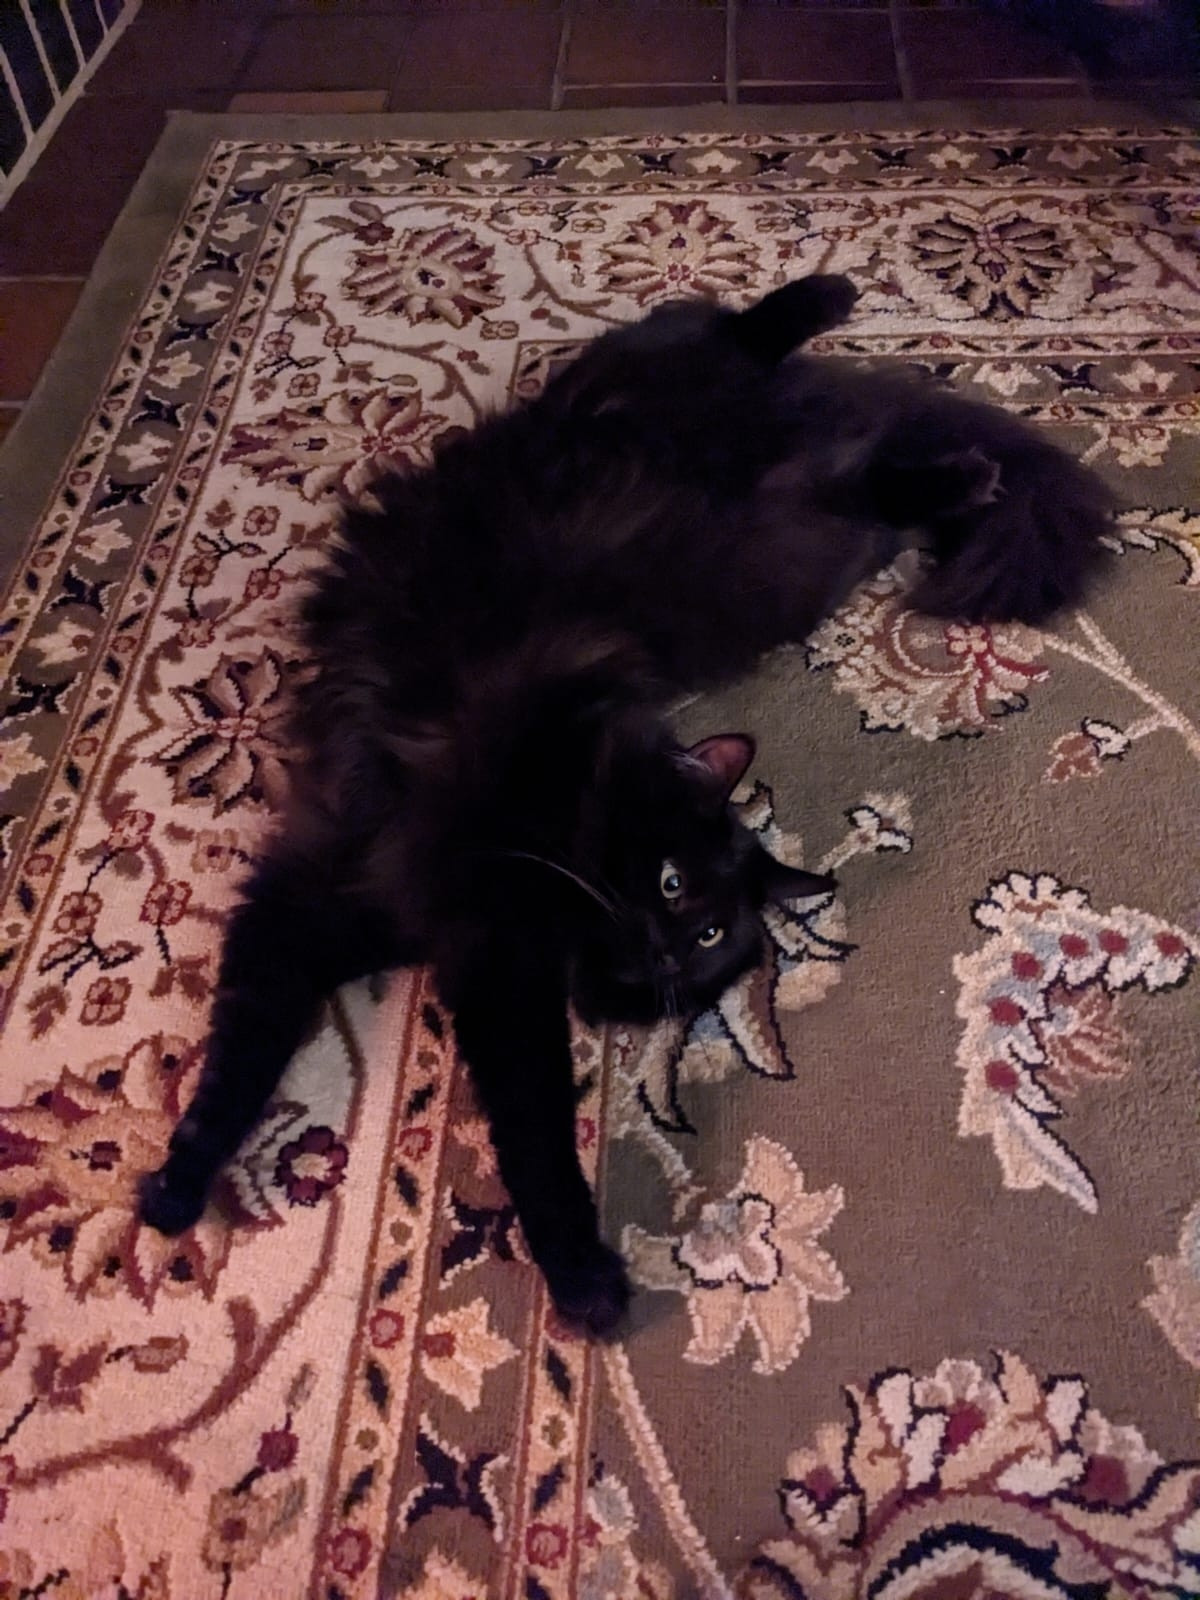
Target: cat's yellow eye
x=711 y=937
x=670 y=881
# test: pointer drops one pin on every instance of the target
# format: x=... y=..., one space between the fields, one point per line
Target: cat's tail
x=775 y=325
x=1015 y=526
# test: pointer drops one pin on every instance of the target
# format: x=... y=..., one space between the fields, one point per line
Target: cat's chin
x=641 y=1005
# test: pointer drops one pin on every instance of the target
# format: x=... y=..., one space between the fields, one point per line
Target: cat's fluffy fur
x=487 y=780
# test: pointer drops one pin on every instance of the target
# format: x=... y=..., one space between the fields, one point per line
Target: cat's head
x=685 y=881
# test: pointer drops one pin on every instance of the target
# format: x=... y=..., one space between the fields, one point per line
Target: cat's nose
x=668 y=966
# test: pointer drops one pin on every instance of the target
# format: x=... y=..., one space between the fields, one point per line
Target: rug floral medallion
x=914 y=1215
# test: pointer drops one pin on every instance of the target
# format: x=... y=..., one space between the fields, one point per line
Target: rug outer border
x=36 y=451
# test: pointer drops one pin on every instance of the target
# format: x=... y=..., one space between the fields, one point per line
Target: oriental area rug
x=913 y=1216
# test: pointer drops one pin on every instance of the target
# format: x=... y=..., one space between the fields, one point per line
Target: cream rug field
x=915 y=1216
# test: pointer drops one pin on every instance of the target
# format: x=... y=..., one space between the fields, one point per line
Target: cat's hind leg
x=289 y=944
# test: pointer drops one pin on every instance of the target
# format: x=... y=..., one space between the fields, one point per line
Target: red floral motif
x=264 y=583
x=415 y=1143
x=1073 y=756
x=438 y=274
x=999 y=263
x=546 y=1544
x=1040 y=1002
x=971 y=1462
x=231 y=747
x=240 y=1527
x=199 y=570
x=340 y=444
x=349 y=1552
x=260 y=521
x=907 y=671
x=310 y=1166
x=130 y=830
x=196 y=631
x=1080 y=754
x=367 y=223
x=215 y=851
x=1002 y=1076
x=680 y=247
x=77 y=915
x=105 y=1001
x=71 y=1156
x=166 y=902
x=386 y=1328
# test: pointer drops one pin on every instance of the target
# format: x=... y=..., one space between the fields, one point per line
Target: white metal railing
x=48 y=51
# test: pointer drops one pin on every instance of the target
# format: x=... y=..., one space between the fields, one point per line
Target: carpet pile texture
x=914 y=1215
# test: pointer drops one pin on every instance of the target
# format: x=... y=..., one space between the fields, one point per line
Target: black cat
x=488 y=783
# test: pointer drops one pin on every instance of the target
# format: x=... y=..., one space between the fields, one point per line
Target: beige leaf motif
x=1174 y=1302
x=750 y=1260
x=459 y=1350
x=443 y=1579
x=965 y=1455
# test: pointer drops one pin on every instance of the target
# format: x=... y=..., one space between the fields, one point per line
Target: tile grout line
x=903 y=75
x=558 y=83
x=672 y=84
x=731 y=73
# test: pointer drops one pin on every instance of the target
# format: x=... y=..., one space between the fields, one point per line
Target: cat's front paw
x=166 y=1204
x=833 y=298
x=591 y=1290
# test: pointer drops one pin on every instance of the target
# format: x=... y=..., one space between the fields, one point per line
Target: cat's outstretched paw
x=794 y=313
x=169 y=1207
x=593 y=1292
x=832 y=297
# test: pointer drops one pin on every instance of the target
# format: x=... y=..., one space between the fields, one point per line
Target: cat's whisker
x=613 y=894
x=556 y=866
x=670 y=1002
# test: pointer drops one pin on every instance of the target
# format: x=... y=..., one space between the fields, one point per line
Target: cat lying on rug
x=488 y=781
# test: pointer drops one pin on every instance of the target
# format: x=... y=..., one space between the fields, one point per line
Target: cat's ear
x=783 y=883
x=726 y=758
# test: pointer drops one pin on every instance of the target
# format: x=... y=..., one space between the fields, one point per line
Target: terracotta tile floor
x=413 y=55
